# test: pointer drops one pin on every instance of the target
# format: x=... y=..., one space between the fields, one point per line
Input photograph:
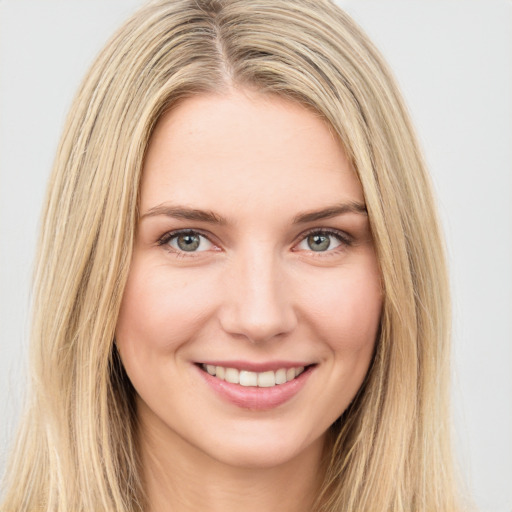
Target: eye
x=322 y=241
x=186 y=241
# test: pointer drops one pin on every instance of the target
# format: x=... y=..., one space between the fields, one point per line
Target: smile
x=266 y=379
x=255 y=386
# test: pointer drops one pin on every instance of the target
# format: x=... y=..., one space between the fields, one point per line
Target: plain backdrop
x=453 y=60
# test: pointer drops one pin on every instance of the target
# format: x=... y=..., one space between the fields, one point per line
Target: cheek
x=161 y=309
x=346 y=321
x=346 y=310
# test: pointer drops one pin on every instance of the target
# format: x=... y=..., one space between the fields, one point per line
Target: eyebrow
x=331 y=211
x=183 y=212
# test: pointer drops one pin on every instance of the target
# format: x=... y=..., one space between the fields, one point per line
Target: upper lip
x=252 y=366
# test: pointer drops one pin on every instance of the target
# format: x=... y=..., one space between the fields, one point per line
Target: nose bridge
x=259 y=305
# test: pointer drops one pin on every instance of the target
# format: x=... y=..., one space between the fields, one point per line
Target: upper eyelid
x=175 y=232
x=332 y=231
x=326 y=231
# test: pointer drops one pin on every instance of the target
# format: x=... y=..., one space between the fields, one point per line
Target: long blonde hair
x=76 y=449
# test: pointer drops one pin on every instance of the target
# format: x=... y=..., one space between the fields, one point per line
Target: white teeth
x=290 y=374
x=232 y=375
x=248 y=378
x=281 y=376
x=266 y=379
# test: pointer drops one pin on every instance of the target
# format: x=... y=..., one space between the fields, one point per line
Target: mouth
x=247 y=378
x=253 y=386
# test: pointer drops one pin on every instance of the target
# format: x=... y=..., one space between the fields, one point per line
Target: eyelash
x=167 y=237
x=342 y=237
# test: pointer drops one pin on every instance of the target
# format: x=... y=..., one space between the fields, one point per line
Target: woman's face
x=253 y=261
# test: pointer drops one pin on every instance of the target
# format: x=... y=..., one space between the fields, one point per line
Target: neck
x=180 y=478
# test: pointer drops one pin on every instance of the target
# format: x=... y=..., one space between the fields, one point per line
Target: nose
x=259 y=301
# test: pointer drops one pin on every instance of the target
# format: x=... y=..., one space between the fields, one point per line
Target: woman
x=241 y=284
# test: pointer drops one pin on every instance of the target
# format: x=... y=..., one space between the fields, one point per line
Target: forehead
x=245 y=148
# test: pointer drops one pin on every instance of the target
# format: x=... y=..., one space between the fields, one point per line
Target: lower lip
x=252 y=397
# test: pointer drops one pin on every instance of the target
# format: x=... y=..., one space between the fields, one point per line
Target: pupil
x=318 y=242
x=188 y=242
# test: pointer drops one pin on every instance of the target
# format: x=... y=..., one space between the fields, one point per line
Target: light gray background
x=453 y=60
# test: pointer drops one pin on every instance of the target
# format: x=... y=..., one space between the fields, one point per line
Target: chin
x=264 y=451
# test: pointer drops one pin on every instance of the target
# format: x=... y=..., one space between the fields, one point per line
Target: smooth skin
x=253 y=245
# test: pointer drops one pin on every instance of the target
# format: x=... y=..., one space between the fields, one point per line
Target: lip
x=252 y=397
x=256 y=367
